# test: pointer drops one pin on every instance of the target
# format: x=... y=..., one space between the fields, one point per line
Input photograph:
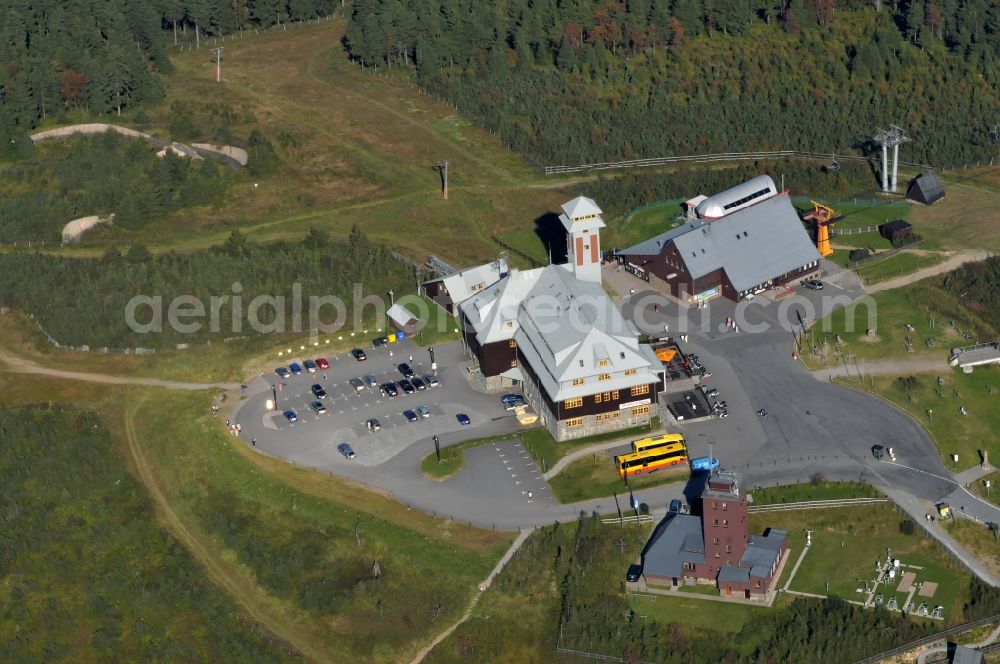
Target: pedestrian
x=411 y=358
x=253 y=441
x=227 y=423
x=324 y=376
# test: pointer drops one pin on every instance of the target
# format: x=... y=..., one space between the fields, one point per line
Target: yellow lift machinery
x=823 y=218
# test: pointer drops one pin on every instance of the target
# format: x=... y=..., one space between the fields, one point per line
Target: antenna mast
x=443 y=166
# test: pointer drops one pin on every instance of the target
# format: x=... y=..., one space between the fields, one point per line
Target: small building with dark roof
x=716 y=547
x=895 y=231
x=746 y=239
x=926 y=189
x=965 y=655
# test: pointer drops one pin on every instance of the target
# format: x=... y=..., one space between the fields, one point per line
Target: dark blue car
x=291 y=416
x=296 y=368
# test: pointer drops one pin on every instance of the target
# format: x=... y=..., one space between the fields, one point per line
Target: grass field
x=847 y=542
x=88 y=572
x=698 y=613
x=597 y=477
x=977 y=540
x=897 y=265
x=967 y=217
x=546 y=451
x=245 y=517
x=888 y=313
x=953 y=432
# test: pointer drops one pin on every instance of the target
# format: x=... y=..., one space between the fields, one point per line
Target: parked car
x=379 y=341
x=424 y=412
x=704 y=463
x=359 y=355
x=712 y=393
x=463 y=419
x=405 y=369
x=389 y=389
x=878 y=451
x=813 y=284
x=418 y=383
x=310 y=366
x=370 y=380
x=346 y=450
x=431 y=380
x=675 y=506
x=317 y=407
x=406 y=386
x=318 y=391
x=633 y=574
x=511 y=401
x=296 y=368
x=357 y=384
x=410 y=416
x=373 y=424
x=322 y=363
x=291 y=416
x=282 y=372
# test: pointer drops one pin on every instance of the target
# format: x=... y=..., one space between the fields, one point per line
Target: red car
x=322 y=364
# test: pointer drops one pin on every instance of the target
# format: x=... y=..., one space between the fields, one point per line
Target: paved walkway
x=964 y=256
x=903 y=365
x=590 y=449
x=487 y=582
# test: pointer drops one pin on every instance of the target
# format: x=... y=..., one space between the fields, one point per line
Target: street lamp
x=274 y=393
x=392 y=301
x=437 y=448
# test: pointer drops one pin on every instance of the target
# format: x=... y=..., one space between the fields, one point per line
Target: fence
x=532 y=261
x=816 y=504
x=196 y=42
x=927 y=640
x=708 y=158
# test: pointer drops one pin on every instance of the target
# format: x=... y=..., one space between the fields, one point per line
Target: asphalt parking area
x=524 y=473
x=312 y=437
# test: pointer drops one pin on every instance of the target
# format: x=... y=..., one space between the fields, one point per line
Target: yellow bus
x=653 y=442
x=652 y=458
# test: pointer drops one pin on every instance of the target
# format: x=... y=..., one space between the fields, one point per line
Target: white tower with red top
x=582 y=220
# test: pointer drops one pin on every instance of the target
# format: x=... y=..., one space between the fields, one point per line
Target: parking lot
x=314 y=438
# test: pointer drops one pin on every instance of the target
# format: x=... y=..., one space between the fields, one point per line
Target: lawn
x=699 y=613
x=597 y=477
x=796 y=493
x=846 y=543
x=546 y=451
x=439 y=327
x=528 y=241
x=452 y=460
x=953 y=432
x=643 y=224
x=978 y=541
x=896 y=266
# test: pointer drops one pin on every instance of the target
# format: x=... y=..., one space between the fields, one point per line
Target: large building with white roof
x=556 y=330
x=740 y=241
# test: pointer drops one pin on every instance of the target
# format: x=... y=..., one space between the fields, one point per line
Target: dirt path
x=524 y=534
x=17 y=364
x=905 y=365
x=964 y=256
x=250 y=598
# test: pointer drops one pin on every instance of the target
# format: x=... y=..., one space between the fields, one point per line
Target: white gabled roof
x=462 y=285
x=400 y=315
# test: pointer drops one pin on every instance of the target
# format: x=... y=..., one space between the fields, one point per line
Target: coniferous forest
x=105 y=56
x=583 y=81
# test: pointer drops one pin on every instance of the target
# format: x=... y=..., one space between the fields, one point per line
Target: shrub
x=906 y=527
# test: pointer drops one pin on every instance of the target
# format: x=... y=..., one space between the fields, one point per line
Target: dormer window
x=603 y=363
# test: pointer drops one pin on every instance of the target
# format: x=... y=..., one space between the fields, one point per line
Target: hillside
x=643 y=79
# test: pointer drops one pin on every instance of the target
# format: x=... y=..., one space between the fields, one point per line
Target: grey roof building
x=745 y=239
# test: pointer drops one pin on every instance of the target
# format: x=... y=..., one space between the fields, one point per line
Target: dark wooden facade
x=436 y=291
x=494 y=358
x=591 y=406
